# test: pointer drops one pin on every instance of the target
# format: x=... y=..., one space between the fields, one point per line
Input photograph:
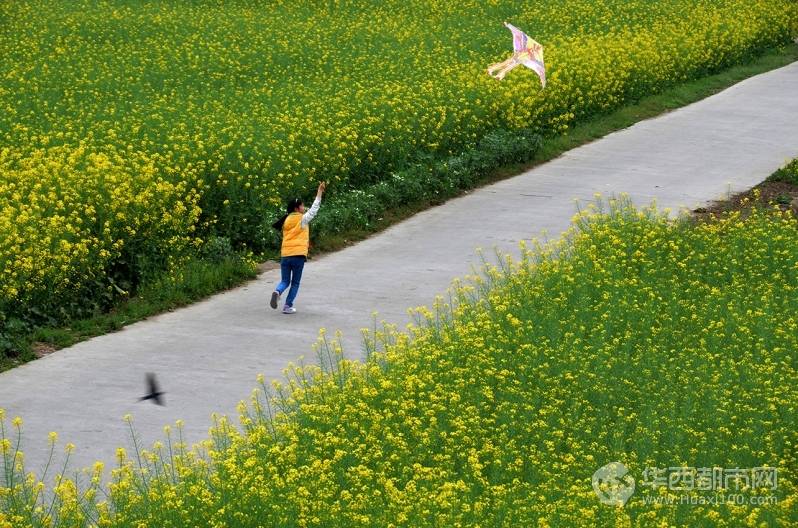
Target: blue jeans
x=291 y=273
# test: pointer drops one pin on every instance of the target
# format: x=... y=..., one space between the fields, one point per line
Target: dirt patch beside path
x=773 y=193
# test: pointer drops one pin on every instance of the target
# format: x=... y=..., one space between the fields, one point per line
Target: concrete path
x=207 y=355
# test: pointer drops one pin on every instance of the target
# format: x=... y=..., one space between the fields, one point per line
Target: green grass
x=195 y=280
x=786 y=174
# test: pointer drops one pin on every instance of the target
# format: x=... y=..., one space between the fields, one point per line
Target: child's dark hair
x=293 y=203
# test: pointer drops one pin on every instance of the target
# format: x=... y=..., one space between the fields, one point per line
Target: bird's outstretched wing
x=519 y=38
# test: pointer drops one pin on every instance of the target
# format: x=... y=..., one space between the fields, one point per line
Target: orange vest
x=295 y=239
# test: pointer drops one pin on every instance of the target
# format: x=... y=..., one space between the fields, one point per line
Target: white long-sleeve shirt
x=310 y=213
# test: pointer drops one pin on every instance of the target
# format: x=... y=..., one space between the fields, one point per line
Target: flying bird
x=154 y=391
x=525 y=51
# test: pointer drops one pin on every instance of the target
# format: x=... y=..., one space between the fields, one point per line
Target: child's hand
x=320 y=191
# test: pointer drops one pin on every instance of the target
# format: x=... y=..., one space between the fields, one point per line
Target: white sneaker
x=289 y=310
x=275 y=298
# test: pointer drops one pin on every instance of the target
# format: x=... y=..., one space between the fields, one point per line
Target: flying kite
x=525 y=51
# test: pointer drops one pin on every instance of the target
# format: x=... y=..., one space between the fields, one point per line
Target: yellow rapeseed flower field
x=637 y=339
x=130 y=131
